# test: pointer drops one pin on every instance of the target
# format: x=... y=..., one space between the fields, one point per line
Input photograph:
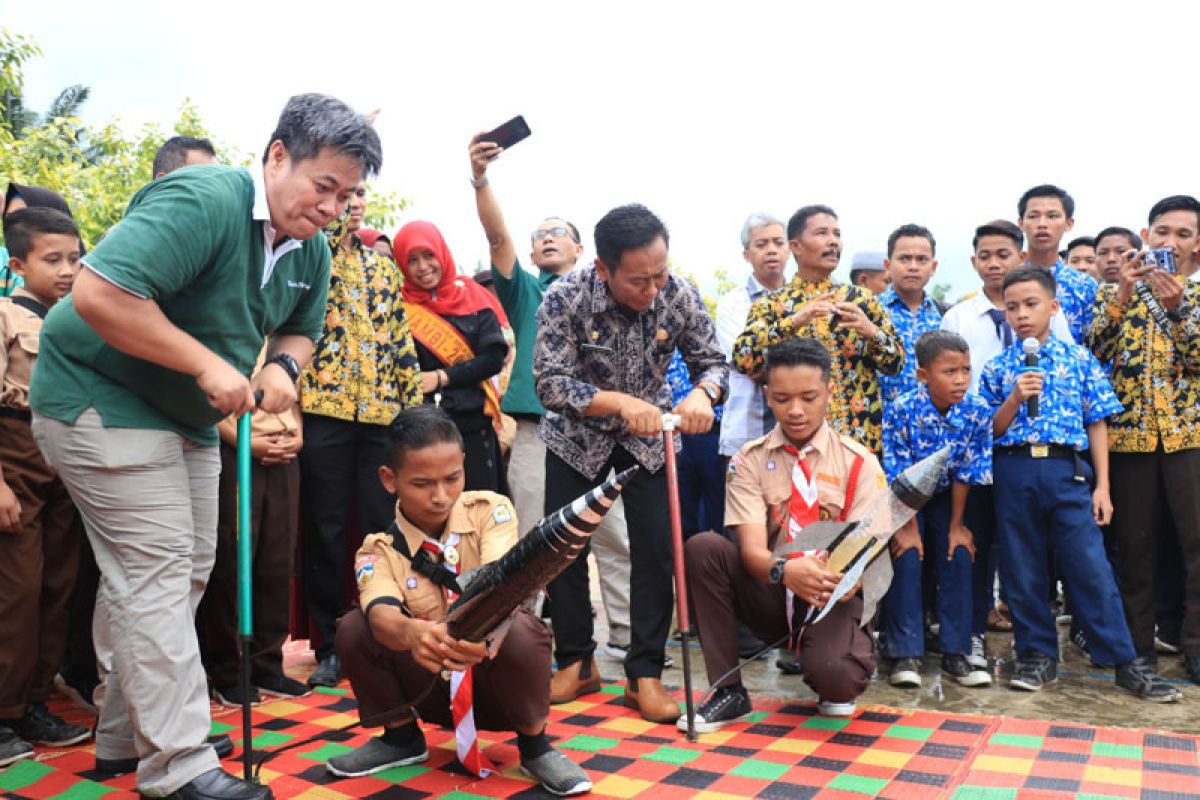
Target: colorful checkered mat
x=784 y=751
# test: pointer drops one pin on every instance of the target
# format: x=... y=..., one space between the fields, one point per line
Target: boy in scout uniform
x=39 y=535
x=801 y=472
x=394 y=648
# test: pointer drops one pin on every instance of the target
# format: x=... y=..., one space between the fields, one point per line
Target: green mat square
x=1098 y=797
x=858 y=783
x=590 y=744
x=25 y=772
x=672 y=755
x=84 y=790
x=326 y=752
x=909 y=732
x=612 y=688
x=984 y=793
x=763 y=770
x=1117 y=750
x=825 y=723
x=401 y=774
x=1018 y=740
x=330 y=690
x=464 y=796
x=217 y=728
x=758 y=716
x=271 y=739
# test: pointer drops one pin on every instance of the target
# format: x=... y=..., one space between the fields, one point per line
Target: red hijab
x=454 y=296
x=369 y=236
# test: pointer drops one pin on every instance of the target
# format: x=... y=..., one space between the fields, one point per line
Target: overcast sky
x=928 y=112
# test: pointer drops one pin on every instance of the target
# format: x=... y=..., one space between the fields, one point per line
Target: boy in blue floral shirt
x=910 y=264
x=939 y=412
x=1044 y=502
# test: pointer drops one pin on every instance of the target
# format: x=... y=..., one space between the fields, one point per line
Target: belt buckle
x=1039 y=450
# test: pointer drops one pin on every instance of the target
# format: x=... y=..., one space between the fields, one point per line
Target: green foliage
x=383 y=210
x=15 y=50
x=941 y=292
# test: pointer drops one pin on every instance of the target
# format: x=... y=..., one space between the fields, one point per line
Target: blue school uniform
x=909 y=327
x=1044 y=501
x=913 y=429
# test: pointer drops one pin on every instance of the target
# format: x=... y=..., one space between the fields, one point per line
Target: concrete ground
x=1083 y=694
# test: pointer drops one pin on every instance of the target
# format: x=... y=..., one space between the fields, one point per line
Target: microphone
x=1030 y=346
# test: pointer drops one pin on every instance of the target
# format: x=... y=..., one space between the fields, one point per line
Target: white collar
x=262 y=213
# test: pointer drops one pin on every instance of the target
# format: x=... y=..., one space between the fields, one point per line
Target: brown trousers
x=274 y=520
x=839 y=654
x=37 y=573
x=1148 y=488
x=512 y=690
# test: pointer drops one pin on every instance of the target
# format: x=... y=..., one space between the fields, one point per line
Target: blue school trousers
x=901 y=613
x=1042 y=508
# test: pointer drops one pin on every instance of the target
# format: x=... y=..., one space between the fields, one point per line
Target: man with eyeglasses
x=555 y=249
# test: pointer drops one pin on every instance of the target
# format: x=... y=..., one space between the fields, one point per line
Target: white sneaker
x=978 y=656
x=827 y=709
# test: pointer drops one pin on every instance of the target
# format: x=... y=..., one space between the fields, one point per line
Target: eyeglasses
x=542 y=233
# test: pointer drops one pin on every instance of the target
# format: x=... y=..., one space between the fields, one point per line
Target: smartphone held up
x=508 y=134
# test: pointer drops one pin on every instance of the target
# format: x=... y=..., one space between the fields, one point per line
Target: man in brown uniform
x=731 y=583
x=39 y=530
x=393 y=647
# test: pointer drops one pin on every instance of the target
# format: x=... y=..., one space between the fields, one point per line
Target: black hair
x=1081 y=241
x=857 y=271
x=933 y=343
x=1047 y=190
x=999 y=227
x=36 y=197
x=1042 y=277
x=173 y=153
x=22 y=227
x=910 y=229
x=570 y=226
x=1176 y=202
x=312 y=122
x=1135 y=241
x=627 y=228
x=796 y=224
x=417 y=428
x=798 y=352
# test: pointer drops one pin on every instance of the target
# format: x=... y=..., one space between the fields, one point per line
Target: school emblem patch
x=364 y=569
x=501 y=515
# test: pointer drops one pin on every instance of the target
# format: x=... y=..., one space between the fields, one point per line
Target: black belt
x=1048 y=451
x=16 y=413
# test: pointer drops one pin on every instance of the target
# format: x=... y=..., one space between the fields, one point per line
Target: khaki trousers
x=610 y=542
x=148 y=500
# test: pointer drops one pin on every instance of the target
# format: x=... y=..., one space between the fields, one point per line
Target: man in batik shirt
x=605 y=337
x=1147 y=326
x=364 y=372
x=848 y=320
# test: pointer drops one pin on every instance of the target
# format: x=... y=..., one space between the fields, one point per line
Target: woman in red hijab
x=457 y=326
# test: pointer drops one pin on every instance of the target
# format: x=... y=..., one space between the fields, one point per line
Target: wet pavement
x=1083 y=693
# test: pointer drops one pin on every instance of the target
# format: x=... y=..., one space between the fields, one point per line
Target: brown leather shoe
x=651 y=700
x=570 y=682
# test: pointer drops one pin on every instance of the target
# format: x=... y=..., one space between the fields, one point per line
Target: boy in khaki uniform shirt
x=730 y=583
x=39 y=532
x=275 y=439
x=393 y=647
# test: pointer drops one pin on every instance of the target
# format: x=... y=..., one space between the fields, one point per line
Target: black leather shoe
x=328 y=673
x=217 y=784
x=222 y=745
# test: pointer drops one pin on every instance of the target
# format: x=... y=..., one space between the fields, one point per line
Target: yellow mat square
x=616 y=786
x=1013 y=766
x=801 y=746
x=1120 y=777
x=632 y=725
x=883 y=758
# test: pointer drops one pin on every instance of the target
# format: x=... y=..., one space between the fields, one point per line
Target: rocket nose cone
x=926 y=473
x=615 y=486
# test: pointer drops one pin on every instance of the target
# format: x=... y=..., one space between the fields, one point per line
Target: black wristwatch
x=775 y=573
x=288 y=363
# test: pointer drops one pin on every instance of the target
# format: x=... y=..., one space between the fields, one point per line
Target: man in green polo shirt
x=556 y=248
x=137 y=365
